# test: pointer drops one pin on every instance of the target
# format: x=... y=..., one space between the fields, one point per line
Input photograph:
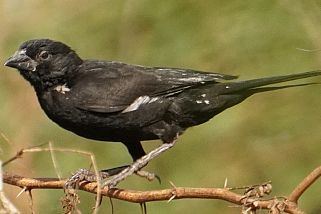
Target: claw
x=149 y=176
x=158 y=179
x=79 y=176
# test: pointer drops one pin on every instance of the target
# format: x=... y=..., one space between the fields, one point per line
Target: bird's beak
x=21 y=61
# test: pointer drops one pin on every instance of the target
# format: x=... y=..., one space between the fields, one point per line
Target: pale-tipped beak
x=21 y=61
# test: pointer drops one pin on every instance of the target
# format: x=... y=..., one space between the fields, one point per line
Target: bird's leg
x=119 y=173
x=136 y=151
x=138 y=164
x=106 y=173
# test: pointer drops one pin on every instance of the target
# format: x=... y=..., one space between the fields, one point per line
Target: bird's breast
x=62 y=109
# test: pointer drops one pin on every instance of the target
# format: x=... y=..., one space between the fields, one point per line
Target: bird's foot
x=149 y=176
x=138 y=165
x=85 y=175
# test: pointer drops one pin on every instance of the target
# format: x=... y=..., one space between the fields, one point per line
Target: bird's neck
x=55 y=78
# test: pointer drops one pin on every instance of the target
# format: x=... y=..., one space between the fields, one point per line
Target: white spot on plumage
x=62 y=88
x=203 y=95
x=138 y=102
x=207 y=102
x=192 y=79
x=227 y=86
x=153 y=99
x=22 y=51
x=198 y=101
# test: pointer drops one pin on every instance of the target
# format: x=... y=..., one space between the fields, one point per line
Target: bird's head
x=44 y=62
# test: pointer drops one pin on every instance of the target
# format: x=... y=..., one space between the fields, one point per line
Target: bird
x=119 y=102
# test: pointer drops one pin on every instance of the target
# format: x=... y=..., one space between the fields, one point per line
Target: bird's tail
x=217 y=97
x=255 y=85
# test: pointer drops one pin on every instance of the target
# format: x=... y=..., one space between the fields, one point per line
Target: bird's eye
x=44 y=55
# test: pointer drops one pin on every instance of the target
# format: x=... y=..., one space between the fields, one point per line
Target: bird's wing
x=108 y=87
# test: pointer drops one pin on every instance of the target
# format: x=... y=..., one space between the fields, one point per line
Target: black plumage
x=114 y=101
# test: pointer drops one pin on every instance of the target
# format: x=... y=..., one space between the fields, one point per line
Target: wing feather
x=108 y=87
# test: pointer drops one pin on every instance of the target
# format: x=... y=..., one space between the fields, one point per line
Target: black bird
x=115 y=101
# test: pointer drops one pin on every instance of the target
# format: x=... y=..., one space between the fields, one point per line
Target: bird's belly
x=97 y=126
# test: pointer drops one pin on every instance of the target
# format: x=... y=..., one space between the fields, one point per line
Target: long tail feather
x=266 y=89
x=233 y=87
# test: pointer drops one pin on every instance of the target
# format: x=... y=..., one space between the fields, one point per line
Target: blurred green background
x=272 y=136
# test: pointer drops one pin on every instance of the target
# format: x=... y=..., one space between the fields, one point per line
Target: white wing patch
x=62 y=88
x=193 y=79
x=138 y=102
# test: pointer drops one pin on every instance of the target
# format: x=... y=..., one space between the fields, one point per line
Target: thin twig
x=18 y=155
x=304 y=185
x=6 y=206
x=51 y=150
x=54 y=160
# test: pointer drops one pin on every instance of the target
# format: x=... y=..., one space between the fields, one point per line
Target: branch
x=246 y=201
x=249 y=201
x=304 y=185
